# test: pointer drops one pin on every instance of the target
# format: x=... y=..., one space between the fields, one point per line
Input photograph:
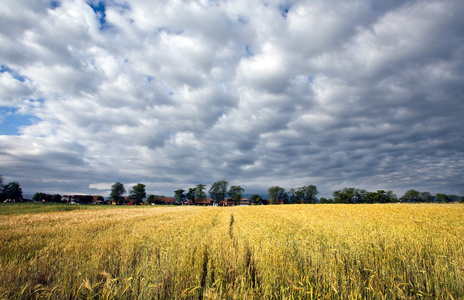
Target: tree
x=256 y=199
x=56 y=198
x=13 y=192
x=38 y=197
x=392 y=197
x=117 y=190
x=343 y=196
x=179 y=196
x=191 y=195
x=151 y=199
x=442 y=198
x=353 y=195
x=292 y=196
x=426 y=197
x=453 y=198
x=324 y=200
x=218 y=191
x=235 y=193
x=138 y=193
x=85 y=199
x=200 y=192
x=276 y=194
x=411 y=196
x=307 y=194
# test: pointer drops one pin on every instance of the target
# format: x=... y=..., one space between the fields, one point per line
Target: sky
x=364 y=94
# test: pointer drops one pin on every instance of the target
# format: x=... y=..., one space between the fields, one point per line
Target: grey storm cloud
x=260 y=93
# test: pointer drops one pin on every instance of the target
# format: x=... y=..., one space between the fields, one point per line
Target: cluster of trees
x=56 y=198
x=218 y=192
x=304 y=194
x=11 y=191
x=354 y=195
x=42 y=197
x=424 y=197
x=137 y=193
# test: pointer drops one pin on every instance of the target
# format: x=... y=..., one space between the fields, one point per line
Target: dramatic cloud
x=260 y=93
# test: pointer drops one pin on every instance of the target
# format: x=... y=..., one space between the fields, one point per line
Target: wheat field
x=388 y=251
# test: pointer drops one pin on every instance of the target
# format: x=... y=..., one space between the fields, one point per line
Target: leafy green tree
x=13 y=191
x=381 y=196
x=292 y=198
x=276 y=194
x=138 y=193
x=426 y=197
x=353 y=195
x=218 y=191
x=200 y=192
x=462 y=199
x=324 y=200
x=38 y=197
x=191 y=195
x=391 y=196
x=344 y=196
x=411 y=196
x=306 y=194
x=235 y=193
x=117 y=190
x=442 y=198
x=179 y=196
x=151 y=199
x=453 y=198
x=85 y=199
x=256 y=199
x=56 y=198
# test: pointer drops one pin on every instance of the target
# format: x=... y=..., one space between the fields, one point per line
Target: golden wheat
x=392 y=251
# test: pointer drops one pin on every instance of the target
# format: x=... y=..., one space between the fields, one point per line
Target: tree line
x=220 y=190
x=11 y=191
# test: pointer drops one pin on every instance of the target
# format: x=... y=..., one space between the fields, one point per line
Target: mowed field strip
x=393 y=251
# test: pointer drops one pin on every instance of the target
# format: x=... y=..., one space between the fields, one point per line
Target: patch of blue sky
x=55 y=4
x=11 y=122
x=248 y=50
x=99 y=9
x=284 y=9
x=310 y=79
x=152 y=80
x=13 y=73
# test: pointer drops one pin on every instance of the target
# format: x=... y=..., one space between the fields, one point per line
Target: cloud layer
x=260 y=93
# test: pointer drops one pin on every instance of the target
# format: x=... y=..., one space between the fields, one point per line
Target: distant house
x=244 y=201
x=161 y=200
x=86 y=199
x=70 y=199
x=230 y=202
x=169 y=200
x=204 y=202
